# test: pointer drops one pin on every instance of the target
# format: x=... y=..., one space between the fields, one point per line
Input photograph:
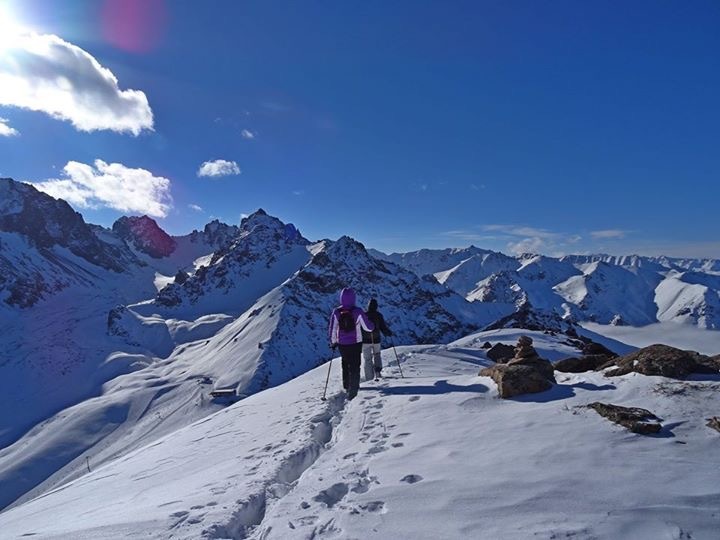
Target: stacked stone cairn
x=526 y=373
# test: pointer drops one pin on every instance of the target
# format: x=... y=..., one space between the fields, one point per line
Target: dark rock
x=580 y=365
x=114 y=321
x=633 y=418
x=714 y=423
x=146 y=235
x=181 y=277
x=662 y=360
x=708 y=364
x=517 y=379
x=501 y=353
x=593 y=348
x=487 y=345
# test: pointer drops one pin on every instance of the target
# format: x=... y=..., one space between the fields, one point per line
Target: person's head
x=347 y=297
x=372 y=305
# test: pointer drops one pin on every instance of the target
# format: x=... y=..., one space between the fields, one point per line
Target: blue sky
x=554 y=127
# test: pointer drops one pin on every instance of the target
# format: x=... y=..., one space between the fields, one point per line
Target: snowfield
x=435 y=454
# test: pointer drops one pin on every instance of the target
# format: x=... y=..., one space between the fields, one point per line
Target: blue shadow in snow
x=560 y=391
x=590 y=386
x=666 y=431
x=702 y=377
x=556 y=393
x=439 y=387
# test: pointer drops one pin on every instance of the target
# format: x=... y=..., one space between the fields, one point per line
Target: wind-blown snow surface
x=433 y=455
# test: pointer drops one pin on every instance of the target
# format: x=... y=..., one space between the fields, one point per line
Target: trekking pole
x=323 y=398
x=398 y=360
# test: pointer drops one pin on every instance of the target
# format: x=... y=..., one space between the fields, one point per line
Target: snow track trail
x=433 y=455
x=252 y=509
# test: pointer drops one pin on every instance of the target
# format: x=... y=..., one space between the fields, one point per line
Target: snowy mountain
x=433 y=455
x=431 y=261
x=45 y=246
x=113 y=338
x=606 y=289
x=250 y=316
x=59 y=280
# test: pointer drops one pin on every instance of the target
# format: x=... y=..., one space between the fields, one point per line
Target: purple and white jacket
x=336 y=335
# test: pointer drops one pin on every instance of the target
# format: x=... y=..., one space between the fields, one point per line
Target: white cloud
x=247 y=134
x=195 y=207
x=468 y=236
x=610 y=233
x=519 y=230
x=5 y=130
x=219 y=167
x=111 y=185
x=45 y=73
x=527 y=245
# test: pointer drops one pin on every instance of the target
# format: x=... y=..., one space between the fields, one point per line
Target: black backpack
x=346 y=320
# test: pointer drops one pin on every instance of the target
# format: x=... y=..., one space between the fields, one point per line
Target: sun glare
x=11 y=30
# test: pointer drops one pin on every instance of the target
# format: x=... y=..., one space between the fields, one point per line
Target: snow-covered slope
x=254 y=318
x=433 y=455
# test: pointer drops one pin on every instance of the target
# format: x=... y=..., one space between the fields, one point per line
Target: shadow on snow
x=439 y=387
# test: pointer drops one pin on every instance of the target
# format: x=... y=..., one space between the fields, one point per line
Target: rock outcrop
x=662 y=360
x=525 y=373
x=501 y=353
x=635 y=419
x=580 y=364
x=593 y=356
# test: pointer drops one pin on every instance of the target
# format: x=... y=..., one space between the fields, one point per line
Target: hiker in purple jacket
x=346 y=325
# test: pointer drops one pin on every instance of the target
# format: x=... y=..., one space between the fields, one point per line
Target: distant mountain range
x=118 y=333
x=606 y=289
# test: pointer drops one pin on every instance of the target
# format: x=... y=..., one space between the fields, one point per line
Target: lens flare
x=134 y=25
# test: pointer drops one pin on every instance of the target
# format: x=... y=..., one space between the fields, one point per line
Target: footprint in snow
x=414 y=398
x=374 y=506
x=411 y=478
x=332 y=495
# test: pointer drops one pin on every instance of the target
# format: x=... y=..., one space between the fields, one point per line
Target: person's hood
x=372 y=305
x=347 y=297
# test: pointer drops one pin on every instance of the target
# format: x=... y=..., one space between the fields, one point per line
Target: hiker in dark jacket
x=347 y=323
x=371 y=342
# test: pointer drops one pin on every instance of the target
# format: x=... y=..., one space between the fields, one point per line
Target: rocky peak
x=263 y=244
x=47 y=222
x=265 y=228
x=145 y=235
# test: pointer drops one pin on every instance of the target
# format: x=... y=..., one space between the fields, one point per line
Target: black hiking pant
x=351 y=368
